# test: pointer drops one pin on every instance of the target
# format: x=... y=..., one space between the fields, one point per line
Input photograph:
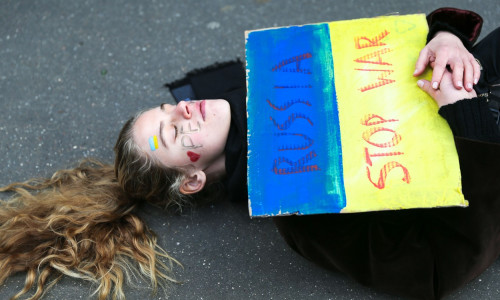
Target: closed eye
x=160 y=134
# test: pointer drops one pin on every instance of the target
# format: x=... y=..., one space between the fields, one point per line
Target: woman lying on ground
x=81 y=222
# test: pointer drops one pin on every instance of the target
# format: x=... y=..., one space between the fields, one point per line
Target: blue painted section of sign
x=295 y=155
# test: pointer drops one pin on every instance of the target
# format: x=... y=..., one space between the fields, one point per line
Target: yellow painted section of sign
x=387 y=121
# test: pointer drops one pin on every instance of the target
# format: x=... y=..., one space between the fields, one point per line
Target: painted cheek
x=191 y=128
x=187 y=142
x=193 y=156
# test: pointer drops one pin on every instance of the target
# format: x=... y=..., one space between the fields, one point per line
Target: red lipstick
x=193 y=156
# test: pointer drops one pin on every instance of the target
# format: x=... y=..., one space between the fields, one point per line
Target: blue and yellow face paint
x=153 y=142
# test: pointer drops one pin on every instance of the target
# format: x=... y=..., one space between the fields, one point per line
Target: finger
x=458 y=74
x=425 y=85
x=422 y=61
x=468 y=75
x=439 y=68
x=477 y=69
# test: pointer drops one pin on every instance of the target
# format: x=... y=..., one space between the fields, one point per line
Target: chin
x=219 y=108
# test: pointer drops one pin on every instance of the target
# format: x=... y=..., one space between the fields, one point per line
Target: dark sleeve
x=471 y=119
x=465 y=24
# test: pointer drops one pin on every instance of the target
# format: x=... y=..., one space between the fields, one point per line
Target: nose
x=183 y=109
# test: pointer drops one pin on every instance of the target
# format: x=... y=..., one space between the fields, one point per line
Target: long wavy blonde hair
x=81 y=223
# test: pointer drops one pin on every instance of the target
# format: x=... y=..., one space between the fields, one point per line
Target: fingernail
x=476 y=80
x=469 y=85
x=415 y=72
x=435 y=85
x=420 y=83
x=459 y=83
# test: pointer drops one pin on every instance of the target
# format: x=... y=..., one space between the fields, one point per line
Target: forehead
x=148 y=116
x=146 y=125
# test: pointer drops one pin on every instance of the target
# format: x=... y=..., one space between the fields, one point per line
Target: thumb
x=425 y=85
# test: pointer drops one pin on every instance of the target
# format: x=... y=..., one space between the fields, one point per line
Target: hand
x=447 y=49
x=447 y=93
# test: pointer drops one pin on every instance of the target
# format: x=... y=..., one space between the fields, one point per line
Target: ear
x=193 y=183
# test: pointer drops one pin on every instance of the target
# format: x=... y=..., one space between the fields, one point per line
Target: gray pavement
x=71 y=72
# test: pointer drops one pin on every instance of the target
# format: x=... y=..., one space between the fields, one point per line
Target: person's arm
x=467 y=114
x=452 y=32
x=472 y=119
x=464 y=24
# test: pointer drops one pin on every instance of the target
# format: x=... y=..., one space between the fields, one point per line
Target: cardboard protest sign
x=337 y=124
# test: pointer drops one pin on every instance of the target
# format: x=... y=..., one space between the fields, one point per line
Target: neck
x=216 y=170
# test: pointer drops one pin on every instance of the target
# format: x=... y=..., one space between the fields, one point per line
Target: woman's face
x=190 y=133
